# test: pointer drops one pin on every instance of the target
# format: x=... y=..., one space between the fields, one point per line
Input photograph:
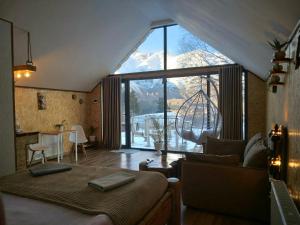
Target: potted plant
x=277 y=46
x=92 y=136
x=277 y=68
x=157 y=135
x=60 y=126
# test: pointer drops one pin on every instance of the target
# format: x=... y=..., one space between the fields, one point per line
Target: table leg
x=76 y=157
x=58 y=148
x=62 y=146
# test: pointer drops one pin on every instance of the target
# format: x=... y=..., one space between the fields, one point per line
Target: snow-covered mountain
x=148 y=91
x=140 y=62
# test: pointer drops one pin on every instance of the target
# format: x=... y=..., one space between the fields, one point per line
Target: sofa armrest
x=233 y=190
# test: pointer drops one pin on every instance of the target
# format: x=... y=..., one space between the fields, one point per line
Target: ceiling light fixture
x=27 y=69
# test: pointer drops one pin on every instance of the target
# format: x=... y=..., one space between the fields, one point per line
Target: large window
x=171 y=47
x=160 y=98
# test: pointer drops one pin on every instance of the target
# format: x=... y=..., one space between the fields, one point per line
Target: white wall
x=7 y=135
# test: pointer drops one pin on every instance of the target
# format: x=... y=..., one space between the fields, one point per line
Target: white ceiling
x=76 y=43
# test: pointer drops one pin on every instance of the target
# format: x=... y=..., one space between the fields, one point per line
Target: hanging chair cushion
x=224 y=147
x=232 y=160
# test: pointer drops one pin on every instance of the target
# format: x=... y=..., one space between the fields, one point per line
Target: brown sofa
x=233 y=188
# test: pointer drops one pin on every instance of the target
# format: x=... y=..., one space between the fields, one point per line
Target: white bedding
x=24 y=211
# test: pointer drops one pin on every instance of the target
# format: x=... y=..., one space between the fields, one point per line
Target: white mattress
x=26 y=211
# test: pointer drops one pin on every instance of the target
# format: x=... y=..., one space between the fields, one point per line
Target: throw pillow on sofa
x=257 y=137
x=224 y=147
x=257 y=156
x=213 y=159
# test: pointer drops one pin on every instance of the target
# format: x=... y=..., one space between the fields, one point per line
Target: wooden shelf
x=278 y=73
x=275 y=84
x=285 y=60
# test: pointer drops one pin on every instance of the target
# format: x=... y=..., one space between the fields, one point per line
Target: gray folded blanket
x=112 y=181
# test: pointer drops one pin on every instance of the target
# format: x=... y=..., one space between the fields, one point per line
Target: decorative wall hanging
x=41 y=101
x=74 y=97
x=80 y=101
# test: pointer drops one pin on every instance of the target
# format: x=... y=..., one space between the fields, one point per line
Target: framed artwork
x=41 y=101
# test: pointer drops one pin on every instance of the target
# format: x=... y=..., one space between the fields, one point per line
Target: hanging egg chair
x=199 y=116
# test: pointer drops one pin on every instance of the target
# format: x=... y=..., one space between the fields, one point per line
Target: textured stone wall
x=257 y=94
x=283 y=108
x=59 y=106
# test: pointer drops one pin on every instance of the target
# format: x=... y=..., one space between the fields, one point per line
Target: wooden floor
x=131 y=161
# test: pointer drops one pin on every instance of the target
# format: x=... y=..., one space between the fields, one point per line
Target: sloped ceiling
x=76 y=43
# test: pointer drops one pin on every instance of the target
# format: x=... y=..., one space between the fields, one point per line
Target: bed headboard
x=283 y=209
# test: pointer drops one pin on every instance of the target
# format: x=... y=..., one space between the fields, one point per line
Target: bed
x=65 y=198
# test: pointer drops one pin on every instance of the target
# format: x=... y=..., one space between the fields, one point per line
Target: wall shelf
x=275 y=84
x=278 y=73
x=285 y=60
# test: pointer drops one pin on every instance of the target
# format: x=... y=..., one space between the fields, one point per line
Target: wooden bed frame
x=168 y=210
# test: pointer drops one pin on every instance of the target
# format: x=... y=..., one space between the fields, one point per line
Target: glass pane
x=186 y=50
x=179 y=91
x=148 y=56
x=146 y=112
x=123 y=124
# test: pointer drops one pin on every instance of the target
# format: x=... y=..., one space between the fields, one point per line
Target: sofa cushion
x=257 y=156
x=214 y=159
x=252 y=141
x=224 y=147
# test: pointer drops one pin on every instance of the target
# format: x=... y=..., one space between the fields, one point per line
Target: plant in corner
x=92 y=137
x=277 y=46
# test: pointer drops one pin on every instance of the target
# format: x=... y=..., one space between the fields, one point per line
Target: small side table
x=163 y=167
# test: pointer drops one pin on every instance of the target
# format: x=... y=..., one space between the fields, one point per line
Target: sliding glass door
x=145 y=103
x=149 y=101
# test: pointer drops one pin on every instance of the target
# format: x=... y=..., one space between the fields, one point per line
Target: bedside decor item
x=27 y=69
x=277 y=46
x=41 y=101
x=278 y=153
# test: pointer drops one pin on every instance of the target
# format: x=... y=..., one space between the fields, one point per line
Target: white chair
x=81 y=138
x=37 y=148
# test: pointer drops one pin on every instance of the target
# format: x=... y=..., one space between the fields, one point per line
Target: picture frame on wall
x=41 y=101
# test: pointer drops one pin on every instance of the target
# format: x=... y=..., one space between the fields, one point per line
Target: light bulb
x=27 y=74
x=19 y=75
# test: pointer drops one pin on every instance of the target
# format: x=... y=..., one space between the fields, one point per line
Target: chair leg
x=33 y=152
x=84 y=151
x=44 y=160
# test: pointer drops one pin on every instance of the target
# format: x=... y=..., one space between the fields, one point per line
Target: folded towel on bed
x=48 y=168
x=112 y=181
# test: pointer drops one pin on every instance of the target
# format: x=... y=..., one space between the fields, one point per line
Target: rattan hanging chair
x=199 y=117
